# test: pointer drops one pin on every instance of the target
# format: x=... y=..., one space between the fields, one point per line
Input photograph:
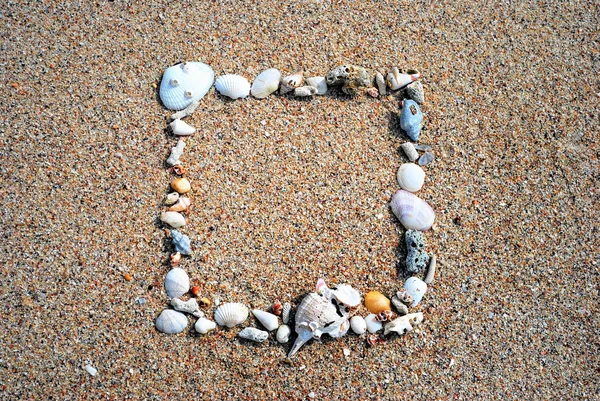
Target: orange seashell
x=277 y=308
x=181 y=205
x=181 y=185
x=205 y=302
x=127 y=277
x=377 y=302
x=195 y=290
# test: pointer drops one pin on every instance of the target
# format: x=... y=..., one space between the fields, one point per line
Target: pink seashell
x=413 y=212
x=180 y=206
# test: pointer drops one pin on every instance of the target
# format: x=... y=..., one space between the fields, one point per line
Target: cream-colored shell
x=373 y=325
x=410 y=177
x=283 y=334
x=291 y=82
x=268 y=320
x=231 y=314
x=416 y=288
x=266 y=83
x=204 y=325
x=174 y=219
x=177 y=282
x=181 y=128
x=358 y=324
x=404 y=324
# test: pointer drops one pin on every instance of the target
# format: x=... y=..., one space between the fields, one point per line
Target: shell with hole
x=171 y=322
x=177 y=282
x=397 y=79
x=190 y=306
x=233 y=86
x=185 y=83
x=410 y=177
x=253 y=334
x=181 y=128
x=410 y=119
x=266 y=83
x=231 y=314
x=413 y=212
x=291 y=82
x=403 y=324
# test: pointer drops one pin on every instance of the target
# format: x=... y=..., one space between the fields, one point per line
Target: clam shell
x=376 y=302
x=410 y=177
x=231 y=314
x=416 y=288
x=177 y=282
x=174 y=219
x=185 y=83
x=204 y=325
x=233 y=86
x=267 y=319
x=291 y=82
x=181 y=243
x=181 y=185
x=171 y=322
x=181 y=128
x=253 y=334
x=283 y=334
x=266 y=83
x=180 y=206
x=358 y=324
x=413 y=212
x=318 y=82
x=373 y=325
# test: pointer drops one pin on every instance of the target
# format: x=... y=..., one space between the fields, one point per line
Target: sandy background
x=287 y=191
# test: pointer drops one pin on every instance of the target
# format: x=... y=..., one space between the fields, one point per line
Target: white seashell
x=373 y=325
x=305 y=91
x=171 y=198
x=404 y=324
x=174 y=219
x=410 y=177
x=180 y=206
x=185 y=83
x=267 y=319
x=91 y=370
x=431 y=270
x=410 y=150
x=413 y=212
x=171 y=322
x=204 y=325
x=380 y=81
x=291 y=82
x=318 y=82
x=254 y=334
x=190 y=306
x=181 y=128
x=231 y=314
x=416 y=288
x=398 y=80
x=358 y=324
x=177 y=282
x=283 y=334
x=266 y=83
x=233 y=86
x=176 y=153
x=285 y=313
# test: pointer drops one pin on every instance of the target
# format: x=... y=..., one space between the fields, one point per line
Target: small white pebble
x=91 y=370
x=379 y=216
x=451 y=363
x=311 y=394
x=264 y=122
x=347 y=351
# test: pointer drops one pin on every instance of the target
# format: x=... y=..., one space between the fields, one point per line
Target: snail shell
x=177 y=282
x=376 y=302
x=181 y=128
x=181 y=243
x=180 y=206
x=285 y=312
x=413 y=212
x=171 y=322
x=231 y=314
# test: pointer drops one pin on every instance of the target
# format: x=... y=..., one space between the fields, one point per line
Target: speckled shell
x=404 y=324
x=231 y=314
x=413 y=212
x=410 y=150
x=233 y=86
x=174 y=219
x=184 y=83
x=415 y=92
x=410 y=177
x=285 y=313
x=376 y=302
x=253 y=334
x=266 y=83
x=171 y=322
x=416 y=288
x=177 y=283
x=315 y=308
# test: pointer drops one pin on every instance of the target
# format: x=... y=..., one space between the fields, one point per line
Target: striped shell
x=233 y=86
x=171 y=322
x=184 y=83
x=231 y=314
x=410 y=177
x=316 y=309
x=413 y=212
x=177 y=283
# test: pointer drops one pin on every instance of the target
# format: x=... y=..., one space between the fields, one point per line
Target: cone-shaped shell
x=397 y=80
x=410 y=177
x=185 y=83
x=231 y=314
x=174 y=219
x=181 y=128
x=171 y=322
x=266 y=83
x=177 y=283
x=181 y=243
x=413 y=212
x=416 y=288
x=376 y=302
x=268 y=320
x=233 y=86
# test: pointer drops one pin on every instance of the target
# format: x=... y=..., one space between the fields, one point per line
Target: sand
x=287 y=191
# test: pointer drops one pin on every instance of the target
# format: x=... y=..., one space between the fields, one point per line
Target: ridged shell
x=266 y=83
x=268 y=320
x=184 y=83
x=285 y=313
x=376 y=302
x=233 y=86
x=413 y=212
x=291 y=82
x=358 y=324
x=181 y=128
x=204 y=325
x=315 y=308
x=231 y=314
x=181 y=243
x=416 y=288
x=410 y=177
x=171 y=322
x=174 y=219
x=177 y=283
x=318 y=82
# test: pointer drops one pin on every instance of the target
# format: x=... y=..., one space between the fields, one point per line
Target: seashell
x=426 y=158
x=385 y=316
x=416 y=288
x=175 y=258
x=291 y=82
x=358 y=77
x=176 y=153
x=373 y=92
x=177 y=282
x=277 y=308
x=305 y=91
x=182 y=205
x=171 y=198
x=205 y=302
x=373 y=325
x=283 y=334
x=344 y=295
x=188 y=111
x=413 y=212
x=181 y=243
x=231 y=314
x=318 y=82
x=171 y=322
x=400 y=306
x=195 y=291
x=415 y=92
x=233 y=86
x=185 y=83
x=358 y=324
x=423 y=148
x=203 y=325
x=410 y=119
x=374 y=339
x=91 y=370
x=179 y=170
x=338 y=76
x=398 y=80
x=404 y=297
x=403 y=324
x=190 y=306
x=174 y=219
x=416 y=257
x=181 y=128
x=285 y=312
x=253 y=334
x=376 y=302
x=410 y=150
x=410 y=177
x=380 y=81
x=268 y=320
x=431 y=270
x=266 y=83
x=181 y=185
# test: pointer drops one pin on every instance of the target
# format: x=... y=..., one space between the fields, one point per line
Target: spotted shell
x=231 y=314
x=413 y=212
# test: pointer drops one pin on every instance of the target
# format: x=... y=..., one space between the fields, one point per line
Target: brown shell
x=377 y=302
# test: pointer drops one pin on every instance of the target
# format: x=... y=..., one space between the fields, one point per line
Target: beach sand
x=286 y=191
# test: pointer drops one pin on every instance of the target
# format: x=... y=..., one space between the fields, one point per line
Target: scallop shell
x=204 y=325
x=180 y=206
x=373 y=325
x=416 y=288
x=318 y=82
x=181 y=243
x=413 y=212
x=171 y=322
x=404 y=324
x=181 y=128
x=283 y=334
x=181 y=185
x=266 y=83
x=174 y=219
x=410 y=177
x=233 y=86
x=253 y=334
x=376 y=302
x=268 y=320
x=291 y=82
x=185 y=83
x=358 y=324
x=231 y=314
x=177 y=282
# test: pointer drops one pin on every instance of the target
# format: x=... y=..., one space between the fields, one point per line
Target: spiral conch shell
x=413 y=212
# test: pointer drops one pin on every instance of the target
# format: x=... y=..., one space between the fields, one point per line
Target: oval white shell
x=171 y=198
x=177 y=282
x=373 y=325
x=283 y=333
x=267 y=319
x=410 y=177
x=254 y=334
x=231 y=314
x=318 y=82
x=416 y=288
x=204 y=325
x=233 y=86
x=174 y=219
x=184 y=83
x=171 y=322
x=413 y=212
x=266 y=83
x=181 y=128
x=358 y=324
